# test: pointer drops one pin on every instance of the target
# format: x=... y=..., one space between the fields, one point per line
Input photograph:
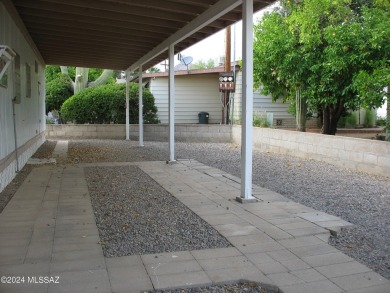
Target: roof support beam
x=213 y=13
x=127 y=106
x=247 y=103
x=140 y=110
x=171 y=97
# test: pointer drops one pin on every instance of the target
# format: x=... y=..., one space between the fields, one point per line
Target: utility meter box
x=226 y=82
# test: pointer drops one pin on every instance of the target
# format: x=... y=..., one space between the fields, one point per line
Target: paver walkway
x=48 y=230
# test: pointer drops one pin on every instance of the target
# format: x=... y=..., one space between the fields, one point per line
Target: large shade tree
x=328 y=55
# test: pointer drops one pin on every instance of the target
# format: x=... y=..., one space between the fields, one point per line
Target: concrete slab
x=52 y=231
x=191 y=279
x=128 y=279
x=230 y=275
x=284 y=279
x=308 y=275
x=310 y=250
x=166 y=257
x=224 y=262
x=215 y=253
x=124 y=261
x=271 y=267
x=327 y=259
x=237 y=229
x=360 y=281
x=343 y=269
x=81 y=281
x=313 y=287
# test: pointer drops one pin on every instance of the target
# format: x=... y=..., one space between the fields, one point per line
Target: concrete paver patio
x=48 y=230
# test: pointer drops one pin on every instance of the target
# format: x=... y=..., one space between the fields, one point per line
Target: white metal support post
x=140 y=110
x=171 y=95
x=247 y=102
x=127 y=106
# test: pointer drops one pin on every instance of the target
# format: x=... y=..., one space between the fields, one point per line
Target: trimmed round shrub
x=57 y=92
x=107 y=104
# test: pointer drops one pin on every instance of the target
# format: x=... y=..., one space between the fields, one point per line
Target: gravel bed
x=135 y=215
x=43 y=152
x=249 y=287
x=359 y=198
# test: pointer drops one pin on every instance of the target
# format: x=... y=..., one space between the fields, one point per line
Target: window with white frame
x=28 y=81
x=17 y=85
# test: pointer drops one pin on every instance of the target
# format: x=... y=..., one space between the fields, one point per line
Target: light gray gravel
x=359 y=198
x=135 y=215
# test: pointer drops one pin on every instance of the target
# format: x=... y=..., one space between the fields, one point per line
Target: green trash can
x=203 y=117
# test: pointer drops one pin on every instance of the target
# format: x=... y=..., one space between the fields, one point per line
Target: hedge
x=107 y=104
x=57 y=92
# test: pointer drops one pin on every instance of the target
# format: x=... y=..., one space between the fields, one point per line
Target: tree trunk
x=301 y=109
x=81 y=79
x=388 y=115
x=331 y=115
x=64 y=70
x=325 y=120
x=102 y=79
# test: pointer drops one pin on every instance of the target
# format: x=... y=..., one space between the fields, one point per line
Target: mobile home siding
x=29 y=113
x=193 y=94
x=261 y=103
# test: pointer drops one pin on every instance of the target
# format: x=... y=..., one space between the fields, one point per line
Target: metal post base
x=246 y=200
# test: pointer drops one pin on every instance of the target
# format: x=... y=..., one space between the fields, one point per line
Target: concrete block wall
x=365 y=155
x=291 y=123
x=152 y=132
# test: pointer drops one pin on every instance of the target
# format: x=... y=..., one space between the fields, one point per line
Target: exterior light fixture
x=6 y=57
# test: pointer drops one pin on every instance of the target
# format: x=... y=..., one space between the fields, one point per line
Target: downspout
x=15 y=135
x=234 y=73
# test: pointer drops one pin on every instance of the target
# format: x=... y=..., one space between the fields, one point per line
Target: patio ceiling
x=118 y=34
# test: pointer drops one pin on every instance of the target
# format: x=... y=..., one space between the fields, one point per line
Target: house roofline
x=188 y=72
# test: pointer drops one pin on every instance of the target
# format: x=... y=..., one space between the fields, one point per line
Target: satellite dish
x=187 y=60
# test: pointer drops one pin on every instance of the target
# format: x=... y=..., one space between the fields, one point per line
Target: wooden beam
x=65 y=18
x=95 y=7
x=80 y=26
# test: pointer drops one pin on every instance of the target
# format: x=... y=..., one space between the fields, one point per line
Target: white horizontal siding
x=193 y=94
x=261 y=103
x=29 y=114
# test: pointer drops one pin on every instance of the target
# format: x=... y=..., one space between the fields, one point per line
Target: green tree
x=201 y=64
x=313 y=51
x=107 y=104
x=153 y=70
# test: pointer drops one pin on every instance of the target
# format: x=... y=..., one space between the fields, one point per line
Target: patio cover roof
x=121 y=34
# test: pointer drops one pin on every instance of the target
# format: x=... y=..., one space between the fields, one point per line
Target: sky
x=214 y=46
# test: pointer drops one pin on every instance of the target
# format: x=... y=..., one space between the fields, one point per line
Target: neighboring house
x=263 y=105
x=25 y=80
x=197 y=91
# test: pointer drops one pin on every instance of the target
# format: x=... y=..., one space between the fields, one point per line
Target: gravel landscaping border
x=359 y=198
x=135 y=215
